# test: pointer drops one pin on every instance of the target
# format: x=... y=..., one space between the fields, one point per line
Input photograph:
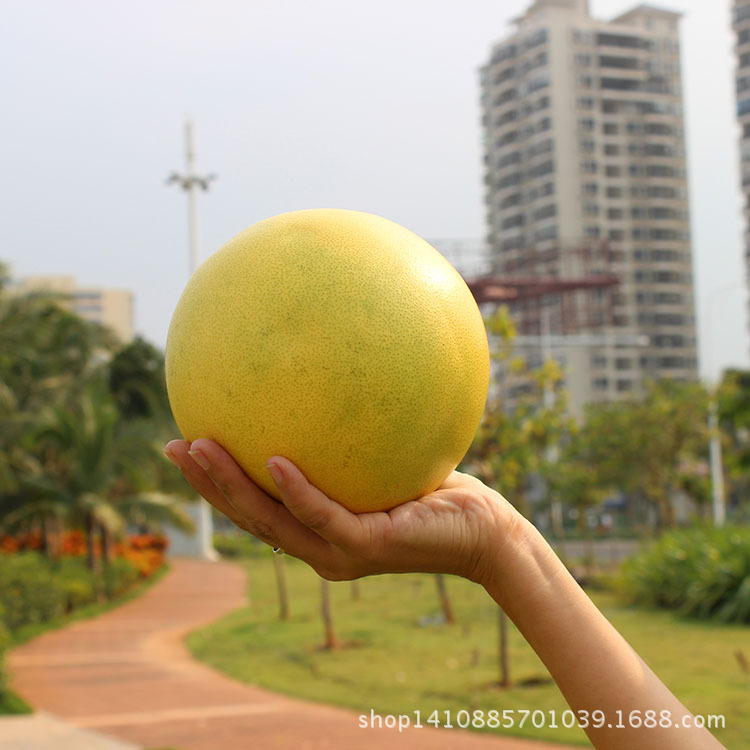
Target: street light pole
x=190 y=182
x=201 y=543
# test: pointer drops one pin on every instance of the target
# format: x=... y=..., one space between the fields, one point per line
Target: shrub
x=238 y=545
x=76 y=582
x=120 y=575
x=701 y=572
x=28 y=590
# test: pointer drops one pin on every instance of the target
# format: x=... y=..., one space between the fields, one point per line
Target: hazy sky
x=298 y=104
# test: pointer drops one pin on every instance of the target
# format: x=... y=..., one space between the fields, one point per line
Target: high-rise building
x=110 y=307
x=741 y=26
x=585 y=175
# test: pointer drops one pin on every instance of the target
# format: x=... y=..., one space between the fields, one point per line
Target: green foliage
x=702 y=572
x=733 y=399
x=650 y=447
x=526 y=415
x=136 y=381
x=234 y=546
x=76 y=583
x=119 y=575
x=29 y=593
x=35 y=590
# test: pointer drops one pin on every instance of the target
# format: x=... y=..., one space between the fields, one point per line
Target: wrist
x=503 y=531
x=521 y=564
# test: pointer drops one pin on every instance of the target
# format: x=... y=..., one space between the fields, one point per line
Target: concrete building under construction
x=585 y=177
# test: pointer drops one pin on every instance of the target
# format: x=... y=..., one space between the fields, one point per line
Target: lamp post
x=200 y=544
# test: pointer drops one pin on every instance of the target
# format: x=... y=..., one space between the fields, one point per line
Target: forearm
x=592 y=664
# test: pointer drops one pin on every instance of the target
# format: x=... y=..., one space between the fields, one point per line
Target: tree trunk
x=92 y=559
x=331 y=642
x=502 y=653
x=51 y=536
x=90 y=531
x=522 y=503
x=355 y=591
x=445 y=602
x=106 y=545
x=279 y=567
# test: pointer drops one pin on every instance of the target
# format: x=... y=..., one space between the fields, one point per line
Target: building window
x=611 y=149
x=621 y=40
x=545 y=212
x=620 y=84
x=622 y=63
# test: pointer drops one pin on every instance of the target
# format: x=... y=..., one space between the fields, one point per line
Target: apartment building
x=741 y=26
x=110 y=307
x=585 y=176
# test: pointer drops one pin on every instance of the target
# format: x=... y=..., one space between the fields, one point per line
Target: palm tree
x=46 y=352
x=98 y=472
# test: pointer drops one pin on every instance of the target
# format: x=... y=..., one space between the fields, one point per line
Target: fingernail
x=200 y=458
x=276 y=473
x=168 y=453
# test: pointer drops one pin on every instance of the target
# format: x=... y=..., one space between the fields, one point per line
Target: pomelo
x=339 y=340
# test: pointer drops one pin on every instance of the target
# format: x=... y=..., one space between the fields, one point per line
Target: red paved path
x=127 y=673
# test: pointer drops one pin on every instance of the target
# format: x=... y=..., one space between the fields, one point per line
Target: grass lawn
x=399 y=658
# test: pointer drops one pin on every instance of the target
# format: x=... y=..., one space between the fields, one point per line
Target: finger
x=265 y=518
x=316 y=511
x=177 y=452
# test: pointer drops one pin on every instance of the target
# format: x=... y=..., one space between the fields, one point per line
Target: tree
x=46 y=354
x=734 y=419
x=649 y=448
x=97 y=472
x=137 y=383
x=331 y=642
x=520 y=422
x=526 y=414
x=445 y=602
x=281 y=587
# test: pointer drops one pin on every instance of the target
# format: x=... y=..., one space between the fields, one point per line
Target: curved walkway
x=128 y=675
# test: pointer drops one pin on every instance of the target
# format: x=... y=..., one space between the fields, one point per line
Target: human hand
x=452 y=530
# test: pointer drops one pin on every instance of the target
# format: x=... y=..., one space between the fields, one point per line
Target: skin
x=467 y=529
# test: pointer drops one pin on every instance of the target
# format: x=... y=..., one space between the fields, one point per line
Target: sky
x=366 y=105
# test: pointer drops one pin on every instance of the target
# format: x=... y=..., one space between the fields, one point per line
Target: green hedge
x=35 y=590
x=241 y=544
x=701 y=572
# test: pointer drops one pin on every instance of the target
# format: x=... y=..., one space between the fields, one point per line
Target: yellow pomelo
x=339 y=340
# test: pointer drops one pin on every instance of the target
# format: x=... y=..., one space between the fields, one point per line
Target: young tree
x=331 y=641
x=279 y=568
x=643 y=447
x=521 y=422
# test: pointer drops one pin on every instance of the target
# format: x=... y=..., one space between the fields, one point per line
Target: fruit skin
x=339 y=340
